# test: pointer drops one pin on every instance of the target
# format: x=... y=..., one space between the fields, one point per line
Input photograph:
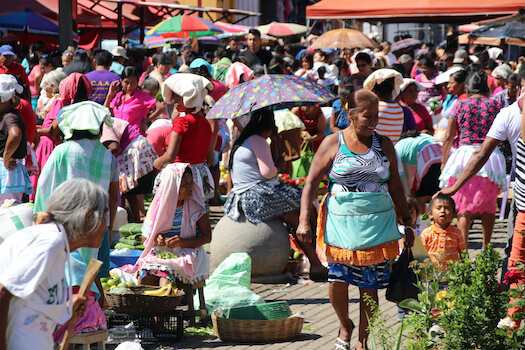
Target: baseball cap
x=81 y=53
x=6 y=50
x=460 y=56
x=119 y=51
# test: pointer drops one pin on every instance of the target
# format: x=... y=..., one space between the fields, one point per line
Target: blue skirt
x=264 y=201
x=368 y=277
x=16 y=180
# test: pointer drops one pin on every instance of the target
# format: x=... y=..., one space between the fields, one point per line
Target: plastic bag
x=229 y=285
x=128 y=345
x=401 y=284
x=301 y=166
x=419 y=251
x=122 y=333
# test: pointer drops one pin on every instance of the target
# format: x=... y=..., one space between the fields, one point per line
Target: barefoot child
x=178 y=222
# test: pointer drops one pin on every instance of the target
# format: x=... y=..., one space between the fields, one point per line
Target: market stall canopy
x=511 y=30
x=457 y=11
x=512 y=33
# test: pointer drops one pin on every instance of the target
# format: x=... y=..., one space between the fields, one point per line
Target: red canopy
x=442 y=11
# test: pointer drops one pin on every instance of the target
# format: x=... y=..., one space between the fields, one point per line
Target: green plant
x=379 y=333
x=425 y=310
x=478 y=306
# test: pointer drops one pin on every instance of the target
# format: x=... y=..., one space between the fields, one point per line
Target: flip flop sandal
x=341 y=344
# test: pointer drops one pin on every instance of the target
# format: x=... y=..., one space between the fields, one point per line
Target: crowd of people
x=407 y=126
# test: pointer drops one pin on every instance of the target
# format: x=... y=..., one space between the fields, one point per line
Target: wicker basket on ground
x=257 y=331
x=139 y=304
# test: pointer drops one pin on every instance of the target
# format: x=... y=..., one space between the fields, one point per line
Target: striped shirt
x=519 y=184
x=443 y=245
x=391 y=119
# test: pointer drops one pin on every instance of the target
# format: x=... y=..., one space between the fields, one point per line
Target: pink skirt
x=479 y=195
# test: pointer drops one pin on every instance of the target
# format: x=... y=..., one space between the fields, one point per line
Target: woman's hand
x=161 y=241
x=159 y=164
x=10 y=163
x=409 y=237
x=80 y=304
x=173 y=242
x=304 y=233
x=305 y=136
x=114 y=88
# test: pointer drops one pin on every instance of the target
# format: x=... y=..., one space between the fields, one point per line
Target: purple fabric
x=129 y=135
x=100 y=81
x=409 y=121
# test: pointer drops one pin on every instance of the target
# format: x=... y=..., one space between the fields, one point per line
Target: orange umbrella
x=343 y=39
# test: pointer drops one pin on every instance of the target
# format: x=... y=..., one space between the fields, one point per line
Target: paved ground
x=321 y=330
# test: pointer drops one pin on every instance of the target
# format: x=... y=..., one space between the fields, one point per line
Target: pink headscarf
x=233 y=75
x=164 y=204
x=69 y=86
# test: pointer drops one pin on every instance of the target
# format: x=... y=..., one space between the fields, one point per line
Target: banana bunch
x=163 y=292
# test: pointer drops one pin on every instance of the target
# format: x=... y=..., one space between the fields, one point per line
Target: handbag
x=402 y=282
x=301 y=166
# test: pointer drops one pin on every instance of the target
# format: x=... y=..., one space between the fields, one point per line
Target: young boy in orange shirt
x=443 y=240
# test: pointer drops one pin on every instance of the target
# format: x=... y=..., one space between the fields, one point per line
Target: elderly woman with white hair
x=191 y=134
x=34 y=294
x=14 y=179
x=50 y=84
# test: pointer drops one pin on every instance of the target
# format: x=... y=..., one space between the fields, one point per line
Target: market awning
x=453 y=11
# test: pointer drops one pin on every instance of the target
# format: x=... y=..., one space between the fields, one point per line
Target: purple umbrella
x=275 y=90
x=28 y=21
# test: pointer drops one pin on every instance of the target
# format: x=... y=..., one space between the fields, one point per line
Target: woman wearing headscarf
x=385 y=84
x=82 y=156
x=191 y=135
x=14 y=179
x=178 y=222
x=75 y=88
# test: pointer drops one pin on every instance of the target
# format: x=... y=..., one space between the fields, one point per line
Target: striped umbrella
x=184 y=26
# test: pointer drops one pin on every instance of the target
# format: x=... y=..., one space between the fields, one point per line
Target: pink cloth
x=159 y=138
x=92 y=321
x=69 y=86
x=478 y=195
x=133 y=110
x=233 y=75
x=47 y=144
x=219 y=89
x=31 y=77
x=160 y=219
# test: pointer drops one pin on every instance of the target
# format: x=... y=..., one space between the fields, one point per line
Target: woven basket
x=257 y=331
x=138 y=304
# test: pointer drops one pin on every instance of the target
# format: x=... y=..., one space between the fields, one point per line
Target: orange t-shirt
x=443 y=244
